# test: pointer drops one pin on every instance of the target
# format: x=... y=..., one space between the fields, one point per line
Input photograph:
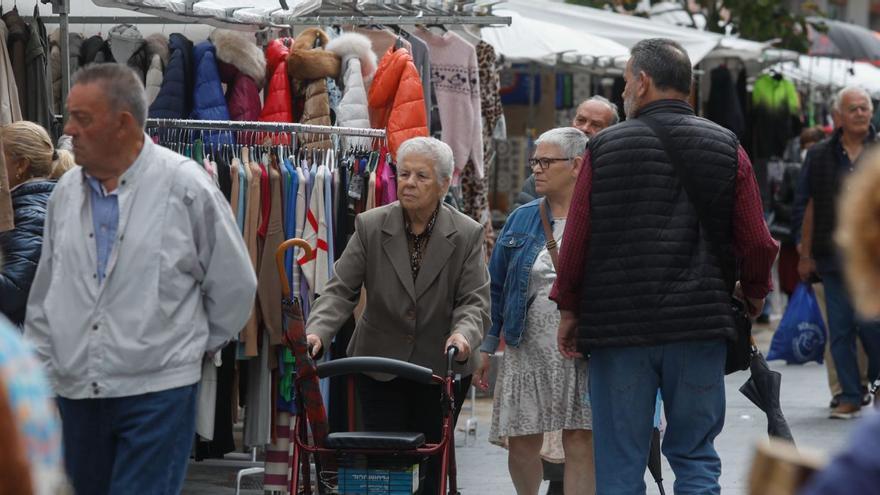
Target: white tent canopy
x=528 y=39
x=629 y=30
x=833 y=74
x=221 y=13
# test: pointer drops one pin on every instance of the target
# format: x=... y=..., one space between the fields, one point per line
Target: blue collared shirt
x=105 y=219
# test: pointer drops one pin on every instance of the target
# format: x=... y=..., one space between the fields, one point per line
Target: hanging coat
x=358 y=69
x=174 y=100
x=209 y=103
x=308 y=67
x=278 y=104
x=95 y=51
x=74 y=41
x=242 y=68
x=157 y=50
x=10 y=109
x=396 y=99
x=39 y=94
x=17 y=40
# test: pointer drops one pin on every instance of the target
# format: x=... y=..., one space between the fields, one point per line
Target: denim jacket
x=519 y=243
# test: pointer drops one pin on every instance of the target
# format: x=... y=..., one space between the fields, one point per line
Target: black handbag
x=740 y=349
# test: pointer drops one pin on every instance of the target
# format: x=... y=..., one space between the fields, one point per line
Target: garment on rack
x=157 y=49
x=315 y=267
x=10 y=111
x=175 y=97
x=723 y=106
x=775 y=112
x=39 y=93
x=277 y=106
x=209 y=103
x=74 y=43
x=17 y=40
x=128 y=47
x=421 y=55
x=358 y=67
x=382 y=40
x=251 y=225
x=242 y=68
x=457 y=86
x=268 y=278
x=396 y=99
x=95 y=51
x=222 y=441
x=308 y=67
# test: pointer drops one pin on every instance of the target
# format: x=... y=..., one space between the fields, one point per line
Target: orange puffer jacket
x=397 y=100
x=277 y=106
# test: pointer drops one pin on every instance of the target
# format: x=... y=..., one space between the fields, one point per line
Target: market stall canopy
x=624 y=29
x=844 y=40
x=531 y=40
x=833 y=74
x=221 y=13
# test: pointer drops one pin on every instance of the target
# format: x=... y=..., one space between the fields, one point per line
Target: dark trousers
x=138 y=444
x=404 y=405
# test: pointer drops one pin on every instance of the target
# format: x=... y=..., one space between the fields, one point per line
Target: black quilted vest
x=826 y=175
x=652 y=276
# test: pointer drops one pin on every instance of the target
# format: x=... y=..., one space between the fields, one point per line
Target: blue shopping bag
x=800 y=337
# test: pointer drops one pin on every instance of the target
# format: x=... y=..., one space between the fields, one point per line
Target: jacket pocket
x=514 y=240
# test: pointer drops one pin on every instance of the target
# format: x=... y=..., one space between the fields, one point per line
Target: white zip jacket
x=178 y=282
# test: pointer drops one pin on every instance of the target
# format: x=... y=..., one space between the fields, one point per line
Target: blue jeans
x=623 y=394
x=138 y=444
x=843 y=326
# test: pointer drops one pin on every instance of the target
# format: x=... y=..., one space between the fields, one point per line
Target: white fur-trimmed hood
x=240 y=50
x=157 y=44
x=356 y=45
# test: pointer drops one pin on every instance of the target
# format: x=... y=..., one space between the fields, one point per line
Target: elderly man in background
x=825 y=167
x=665 y=209
x=143 y=272
x=593 y=115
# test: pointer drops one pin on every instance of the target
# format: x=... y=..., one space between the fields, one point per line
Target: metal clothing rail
x=281 y=127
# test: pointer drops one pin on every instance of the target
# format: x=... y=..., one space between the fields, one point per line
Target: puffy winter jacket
x=174 y=100
x=242 y=67
x=209 y=103
x=277 y=106
x=309 y=66
x=358 y=67
x=95 y=51
x=157 y=49
x=397 y=102
x=22 y=247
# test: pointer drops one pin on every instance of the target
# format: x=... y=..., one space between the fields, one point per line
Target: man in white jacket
x=143 y=272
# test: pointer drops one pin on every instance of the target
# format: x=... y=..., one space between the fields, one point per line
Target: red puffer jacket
x=277 y=106
x=397 y=100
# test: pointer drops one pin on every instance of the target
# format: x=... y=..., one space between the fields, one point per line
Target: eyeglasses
x=545 y=162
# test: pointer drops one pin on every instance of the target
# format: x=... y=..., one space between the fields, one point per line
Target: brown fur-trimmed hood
x=157 y=44
x=239 y=50
x=305 y=63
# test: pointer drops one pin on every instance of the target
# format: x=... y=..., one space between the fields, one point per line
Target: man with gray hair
x=143 y=274
x=666 y=209
x=825 y=168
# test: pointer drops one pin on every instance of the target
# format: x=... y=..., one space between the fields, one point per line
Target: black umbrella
x=654 y=460
x=843 y=40
x=762 y=388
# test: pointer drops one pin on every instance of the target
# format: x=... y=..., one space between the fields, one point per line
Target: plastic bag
x=800 y=337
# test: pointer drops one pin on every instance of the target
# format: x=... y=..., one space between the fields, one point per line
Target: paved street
x=483 y=467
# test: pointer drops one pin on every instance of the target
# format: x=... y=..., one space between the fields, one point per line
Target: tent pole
x=62 y=9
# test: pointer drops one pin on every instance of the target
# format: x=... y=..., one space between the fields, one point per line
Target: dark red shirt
x=753 y=247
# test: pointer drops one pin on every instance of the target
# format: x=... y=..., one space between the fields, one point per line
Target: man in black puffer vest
x=825 y=167
x=644 y=286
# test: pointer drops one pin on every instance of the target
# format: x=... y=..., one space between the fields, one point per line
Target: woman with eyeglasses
x=538 y=392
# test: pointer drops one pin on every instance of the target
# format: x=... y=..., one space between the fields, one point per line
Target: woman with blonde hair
x=32 y=165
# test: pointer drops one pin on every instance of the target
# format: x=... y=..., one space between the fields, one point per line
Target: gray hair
x=837 y=100
x=615 y=116
x=570 y=140
x=432 y=148
x=665 y=61
x=123 y=88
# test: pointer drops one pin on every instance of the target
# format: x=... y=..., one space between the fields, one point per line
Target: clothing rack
x=231 y=125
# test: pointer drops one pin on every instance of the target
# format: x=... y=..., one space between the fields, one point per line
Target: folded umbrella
x=762 y=388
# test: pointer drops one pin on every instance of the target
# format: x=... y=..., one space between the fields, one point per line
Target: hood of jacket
x=355 y=45
x=95 y=50
x=239 y=54
x=157 y=44
x=306 y=63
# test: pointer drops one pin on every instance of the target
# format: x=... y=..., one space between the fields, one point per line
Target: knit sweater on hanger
x=454 y=73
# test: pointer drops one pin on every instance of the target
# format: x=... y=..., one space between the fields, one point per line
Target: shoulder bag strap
x=691 y=189
x=548 y=235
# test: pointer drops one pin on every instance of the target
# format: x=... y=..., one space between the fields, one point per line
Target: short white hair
x=570 y=140
x=837 y=101
x=432 y=148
